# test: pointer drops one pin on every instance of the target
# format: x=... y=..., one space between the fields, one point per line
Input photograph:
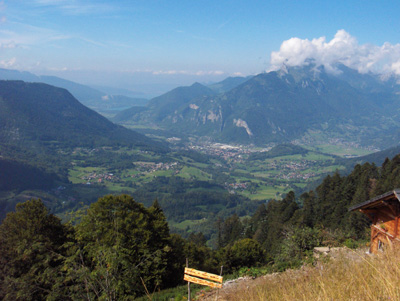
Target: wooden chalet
x=384 y=211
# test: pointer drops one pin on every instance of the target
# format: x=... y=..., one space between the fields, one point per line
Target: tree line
x=118 y=248
x=289 y=229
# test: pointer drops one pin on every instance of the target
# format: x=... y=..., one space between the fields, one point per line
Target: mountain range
x=90 y=97
x=39 y=126
x=44 y=130
x=281 y=106
x=36 y=114
x=38 y=122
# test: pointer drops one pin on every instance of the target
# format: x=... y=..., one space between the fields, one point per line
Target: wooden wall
x=385 y=229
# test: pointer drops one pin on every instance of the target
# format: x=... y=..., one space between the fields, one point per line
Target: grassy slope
x=353 y=276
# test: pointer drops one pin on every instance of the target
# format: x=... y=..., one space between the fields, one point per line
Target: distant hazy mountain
x=229 y=83
x=165 y=106
x=282 y=106
x=369 y=82
x=119 y=91
x=35 y=115
x=117 y=103
x=83 y=93
x=90 y=97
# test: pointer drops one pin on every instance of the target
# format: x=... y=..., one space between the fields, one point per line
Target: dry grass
x=351 y=276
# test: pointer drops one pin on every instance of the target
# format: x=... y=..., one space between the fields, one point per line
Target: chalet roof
x=377 y=201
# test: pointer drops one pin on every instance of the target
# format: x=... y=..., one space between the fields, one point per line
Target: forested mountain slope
x=39 y=126
x=283 y=105
x=35 y=115
x=161 y=109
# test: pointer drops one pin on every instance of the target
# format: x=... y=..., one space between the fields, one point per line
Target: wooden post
x=187 y=265
x=216 y=296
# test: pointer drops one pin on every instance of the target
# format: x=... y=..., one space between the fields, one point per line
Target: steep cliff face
x=280 y=106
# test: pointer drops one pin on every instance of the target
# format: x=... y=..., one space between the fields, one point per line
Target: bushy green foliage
x=229 y=231
x=31 y=253
x=245 y=252
x=298 y=244
x=253 y=272
x=190 y=199
x=351 y=243
x=120 y=247
x=198 y=255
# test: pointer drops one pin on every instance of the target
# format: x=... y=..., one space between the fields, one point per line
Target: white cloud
x=26 y=36
x=396 y=67
x=8 y=63
x=168 y=72
x=76 y=7
x=185 y=72
x=343 y=48
x=7 y=45
x=215 y=72
x=58 y=69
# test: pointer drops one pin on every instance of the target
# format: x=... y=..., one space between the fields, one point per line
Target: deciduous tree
x=31 y=253
x=121 y=248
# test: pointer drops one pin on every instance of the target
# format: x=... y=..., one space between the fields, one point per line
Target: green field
x=77 y=173
x=256 y=179
x=267 y=192
x=192 y=172
x=187 y=224
x=342 y=151
x=189 y=186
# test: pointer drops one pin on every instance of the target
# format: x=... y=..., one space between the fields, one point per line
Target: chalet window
x=380 y=245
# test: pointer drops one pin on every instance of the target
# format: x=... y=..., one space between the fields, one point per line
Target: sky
x=153 y=46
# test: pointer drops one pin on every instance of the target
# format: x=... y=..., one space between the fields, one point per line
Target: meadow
x=353 y=275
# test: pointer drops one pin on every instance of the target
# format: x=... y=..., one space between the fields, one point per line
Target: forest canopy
x=118 y=248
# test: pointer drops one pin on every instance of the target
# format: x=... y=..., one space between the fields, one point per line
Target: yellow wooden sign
x=206 y=276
